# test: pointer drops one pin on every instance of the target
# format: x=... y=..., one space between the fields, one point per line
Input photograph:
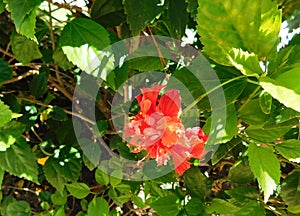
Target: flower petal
x=170 y=103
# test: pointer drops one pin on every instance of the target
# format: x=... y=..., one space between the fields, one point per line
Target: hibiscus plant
x=149 y=107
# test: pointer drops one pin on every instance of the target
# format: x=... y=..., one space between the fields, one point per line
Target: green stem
x=208 y=92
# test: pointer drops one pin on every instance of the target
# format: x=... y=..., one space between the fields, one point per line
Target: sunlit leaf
x=23 y=13
x=246 y=62
x=5 y=114
x=252 y=26
x=265 y=167
x=285 y=88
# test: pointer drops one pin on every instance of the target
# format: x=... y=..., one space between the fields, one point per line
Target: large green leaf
x=201 y=188
x=285 y=88
x=252 y=26
x=20 y=161
x=5 y=71
x=290 y=149
x=98 y=206
x=165 y=206
x=265 y=167
x=64 y=166
x=5 y=114
x=9 y=133
x=141 y=12
x=290 y=189
x=82 y=41
x=24 y=49
x=270 y=130
x=23 y=13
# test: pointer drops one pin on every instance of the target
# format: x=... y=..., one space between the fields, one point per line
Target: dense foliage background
x=46 y=45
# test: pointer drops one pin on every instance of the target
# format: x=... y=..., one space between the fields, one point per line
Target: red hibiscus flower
x=157 y=129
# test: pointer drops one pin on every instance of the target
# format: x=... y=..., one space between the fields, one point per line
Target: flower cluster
x=157 y=129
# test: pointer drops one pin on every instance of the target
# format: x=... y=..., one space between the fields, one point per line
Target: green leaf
x=287 y=114
x=9 y=133
x=2 y=6
x=98 y=206
x=290 y=189
x=5 y=71
x=101 y=177
x=23 y=13
x=59 y=198
x=60 y=211
x=251 y=208
x=265 y=102
x=270 y=130
x=18 y=208
x=92 y=152
x=63 y=166
x=61 y=59
x=290 y=149
x=240 y=173
x=265 y=167
x=241 y=194
x=118 y=198
x=145 y=63
x=78 y=190
x=294 y=209
x=285 y=88
x=82 y=41
x=194 y=206
x=4 y=204
x=201 y=188
x=24 y=49
x=246 y=62
x=252 y=26
x=141 y=12
x=192 y=8
x=252 y=114
x=115 y=177
x=224 y=133
x=1 y=179
x=20 y=161
x=178 y=16
x=5 y=114
x=38 y=84
x=220 y=206
x=58 y=114
x=108 y=13
x=165 y=206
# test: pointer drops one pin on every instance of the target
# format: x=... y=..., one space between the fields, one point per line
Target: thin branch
x=66 y=111
x=60 y=88
x=66 y=6
x=29 y=73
